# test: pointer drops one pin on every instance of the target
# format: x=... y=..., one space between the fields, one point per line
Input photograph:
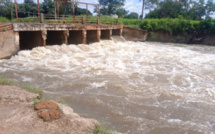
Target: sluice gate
x=32 y=35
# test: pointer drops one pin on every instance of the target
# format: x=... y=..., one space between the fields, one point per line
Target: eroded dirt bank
x=18 y=116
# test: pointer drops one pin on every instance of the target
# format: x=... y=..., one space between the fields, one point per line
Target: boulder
x=48 y=110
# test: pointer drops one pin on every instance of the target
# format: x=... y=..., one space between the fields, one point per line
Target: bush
x=132 y=15
x=3 y=19
x=171 y=26
x=208 y=25
x=100 y=129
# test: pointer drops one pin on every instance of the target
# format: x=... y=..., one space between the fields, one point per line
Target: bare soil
x=17 y=115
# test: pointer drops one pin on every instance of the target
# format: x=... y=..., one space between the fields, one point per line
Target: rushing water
x=132 y=87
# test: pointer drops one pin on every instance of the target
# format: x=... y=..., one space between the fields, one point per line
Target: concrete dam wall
x=26 y=36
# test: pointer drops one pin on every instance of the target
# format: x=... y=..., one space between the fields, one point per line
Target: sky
x=130 y=5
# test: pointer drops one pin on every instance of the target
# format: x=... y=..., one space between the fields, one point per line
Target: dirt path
x=17 y=115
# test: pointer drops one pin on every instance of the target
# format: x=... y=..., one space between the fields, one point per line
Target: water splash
x=132 y=87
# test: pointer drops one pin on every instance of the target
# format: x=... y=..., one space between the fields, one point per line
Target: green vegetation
x=5 y=81
x=170 y=25
x=61 y=101
x=4 y=19
x=179 y=25
x=0 y=98
x=191 y=10
x=32 y=89
x=207 y=25
x=35 y=101
x=100 y=129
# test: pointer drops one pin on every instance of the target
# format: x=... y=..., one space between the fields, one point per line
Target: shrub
x=100 y=129
x=3 y=19
x=208 y=25
x=171 y=26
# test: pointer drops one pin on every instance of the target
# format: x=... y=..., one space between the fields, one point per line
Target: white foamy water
x=133 y=88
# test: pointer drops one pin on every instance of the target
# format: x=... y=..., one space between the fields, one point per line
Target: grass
x=0 y=98
x=35 y=101
x=3 y=19
x=32 y=89
x=5 y=81
x=61 y=101
x=100 y=129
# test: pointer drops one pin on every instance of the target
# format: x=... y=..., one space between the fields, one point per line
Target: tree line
x=187 y=9
x=29 y=7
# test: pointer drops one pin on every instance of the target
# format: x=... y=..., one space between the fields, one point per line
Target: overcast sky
x=130 y=5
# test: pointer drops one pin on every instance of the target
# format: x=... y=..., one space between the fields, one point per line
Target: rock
x=48 y=110
x=46 y=105
x=49 y=115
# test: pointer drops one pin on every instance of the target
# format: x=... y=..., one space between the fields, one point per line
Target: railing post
x=73 y=6
x=38 y=9
x=98 y=20
x=117 y=21
x=83 y=20
x=42 y=17
x=58 y=11
x=17 y=17
x=87 y=12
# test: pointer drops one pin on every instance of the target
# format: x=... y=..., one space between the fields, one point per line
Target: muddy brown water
x=132 y=87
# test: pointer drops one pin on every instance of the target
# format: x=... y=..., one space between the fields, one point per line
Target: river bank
x=18 y=116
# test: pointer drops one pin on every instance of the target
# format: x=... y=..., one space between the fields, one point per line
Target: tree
x=132 y=15
x=121 y=12
x=5 y=8
x=110 y=7
x=193 y=10
x=146 y=4
x=48 y=7
x=166 y=9
x=210 y=8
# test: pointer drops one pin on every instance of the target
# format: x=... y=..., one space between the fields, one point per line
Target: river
x=132 y=87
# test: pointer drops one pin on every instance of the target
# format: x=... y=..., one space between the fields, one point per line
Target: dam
x=26 y=36
x=49 y=29
x=57 y=34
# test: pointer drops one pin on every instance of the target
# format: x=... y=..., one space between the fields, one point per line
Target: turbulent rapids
x=132 y=87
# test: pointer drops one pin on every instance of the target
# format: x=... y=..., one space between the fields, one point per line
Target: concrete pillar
x=111 y=33
x=44 y=37
x=120 y=32
x=16 y=41
x=84 y=36
x=98 y=35
x=66 y=35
